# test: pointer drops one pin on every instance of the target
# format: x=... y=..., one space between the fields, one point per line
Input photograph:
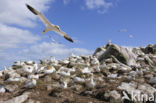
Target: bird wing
x=43 y=19
x=63 y=34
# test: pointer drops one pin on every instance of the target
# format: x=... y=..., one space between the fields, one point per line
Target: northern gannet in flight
x=49 y=26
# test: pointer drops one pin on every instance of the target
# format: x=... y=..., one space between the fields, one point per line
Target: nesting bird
x=31 y=83
x=32 y=76
x=49 y=69
x=13 y=79
x=28 y=69
x=78 y=80
x=2 y=89
x=49 y=26
x=63 y=85
x=1 y=73
x=19 y=63
x=90 y=83
x=86 y=70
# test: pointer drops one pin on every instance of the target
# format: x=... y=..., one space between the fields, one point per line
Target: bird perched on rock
x=31 y=83
x=2 y=89
x=49 y=69
x=49 y=26
x=33 y=76
x=90 y=83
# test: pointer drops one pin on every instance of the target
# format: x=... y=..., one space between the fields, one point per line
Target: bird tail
x=45 y=30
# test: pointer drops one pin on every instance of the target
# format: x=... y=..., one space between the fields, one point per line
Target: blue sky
x=91 y=23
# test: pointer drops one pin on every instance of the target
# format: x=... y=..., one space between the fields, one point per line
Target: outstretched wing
x=64 y=35
x=45 y=21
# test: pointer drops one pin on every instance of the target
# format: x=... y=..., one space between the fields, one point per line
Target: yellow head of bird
x=57 y=27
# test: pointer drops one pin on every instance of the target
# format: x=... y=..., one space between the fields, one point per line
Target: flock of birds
x=49 y=26
x=30 y=72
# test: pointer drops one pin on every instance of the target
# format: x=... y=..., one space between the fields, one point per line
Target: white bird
x=19 y=63
x=78 y=80
x=28 y=69
x=1 y=73
x=13 y=79
x=90 y=83
x=86 y=70
x=30 y=62
x=64 y=73
x=2 y=89
x=64 y=84
x=50 y=69
x=30 y=84
x=33 y=76
x=5 y=68
x=40 y=69
x=36 y=68
x=97 y=69
x=49 y=26
x=53 y=61
x=65 y=61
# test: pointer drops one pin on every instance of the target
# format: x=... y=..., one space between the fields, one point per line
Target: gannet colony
x=104 y=77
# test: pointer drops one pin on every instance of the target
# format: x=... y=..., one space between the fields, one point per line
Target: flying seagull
x=49 y=26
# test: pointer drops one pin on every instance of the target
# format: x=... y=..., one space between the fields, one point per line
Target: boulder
x=124 y=55
x=150 y=49
x=98 y=52
x=18 y=99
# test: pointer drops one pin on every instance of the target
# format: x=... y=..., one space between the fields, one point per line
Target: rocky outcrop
x=124 y=55
x=107 y=76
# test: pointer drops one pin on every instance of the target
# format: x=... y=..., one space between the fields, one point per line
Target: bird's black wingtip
x=31 y=9
x=69 y=39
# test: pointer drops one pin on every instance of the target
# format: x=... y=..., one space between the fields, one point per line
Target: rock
x=98 y=52
x=18 y=99
x=115 y=95
x=146 y=88
x=125 y=68
x=47 y=79
x=129 y=87
x=32 y=101
x=49 y=87
x=150 y=49
x=11 y=88
x=152 y=80
x=124 y=55
x=109 y=60
x=150 y=76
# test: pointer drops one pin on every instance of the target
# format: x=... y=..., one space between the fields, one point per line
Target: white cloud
x=12 y=37
x=15 y=11
x=40 y=51
x=46 y=49
x=100 y=5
